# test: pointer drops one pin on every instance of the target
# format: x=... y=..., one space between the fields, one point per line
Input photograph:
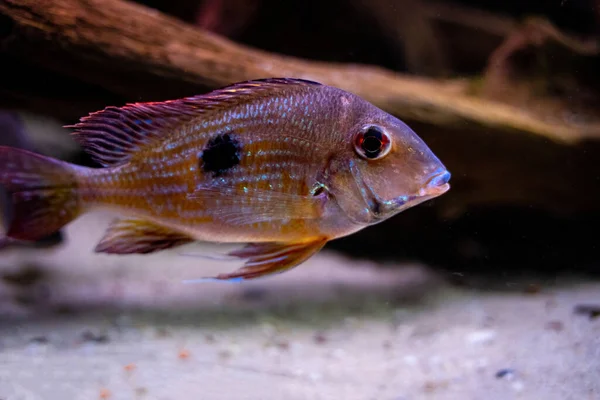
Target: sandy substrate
x=108 y=327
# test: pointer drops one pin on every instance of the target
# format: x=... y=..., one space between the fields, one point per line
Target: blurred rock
x=47 y=136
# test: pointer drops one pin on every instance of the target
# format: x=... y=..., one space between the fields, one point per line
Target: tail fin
x=41 y=193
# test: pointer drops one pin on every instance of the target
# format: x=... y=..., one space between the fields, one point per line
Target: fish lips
x=380 y=210
x=436 y=185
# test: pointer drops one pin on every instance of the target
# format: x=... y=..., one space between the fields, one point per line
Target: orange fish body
x=284 y=165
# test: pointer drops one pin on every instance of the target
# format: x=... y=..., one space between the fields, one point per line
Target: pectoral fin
x=264 y=259
x=130 y=236
x=245 y=207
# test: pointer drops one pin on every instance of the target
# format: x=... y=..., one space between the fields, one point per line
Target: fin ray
x=263 y=259
x=40 y=194
x=112 y=135
x=136 y=236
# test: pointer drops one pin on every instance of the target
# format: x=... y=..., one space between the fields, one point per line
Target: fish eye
x=372 y=143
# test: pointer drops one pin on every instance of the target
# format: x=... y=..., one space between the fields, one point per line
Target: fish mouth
x=379 y=209
x=436 y=185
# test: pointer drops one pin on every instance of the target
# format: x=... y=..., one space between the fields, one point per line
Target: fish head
x=385 y=168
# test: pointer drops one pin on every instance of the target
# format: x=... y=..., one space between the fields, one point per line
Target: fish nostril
x=440 y=179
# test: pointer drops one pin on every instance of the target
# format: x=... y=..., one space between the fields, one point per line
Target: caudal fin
x=40 y=194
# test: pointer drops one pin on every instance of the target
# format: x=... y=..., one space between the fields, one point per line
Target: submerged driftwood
x=129 y=50
x=70 y=57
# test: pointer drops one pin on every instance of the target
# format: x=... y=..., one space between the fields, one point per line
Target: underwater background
x=489 y=291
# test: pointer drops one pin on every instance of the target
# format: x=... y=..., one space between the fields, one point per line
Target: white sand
x=330 y=329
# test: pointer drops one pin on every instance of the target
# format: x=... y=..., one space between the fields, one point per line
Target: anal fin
x=262 y=259
x=136 y=236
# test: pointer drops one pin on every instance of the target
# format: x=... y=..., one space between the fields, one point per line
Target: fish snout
x=440 y=179
x=437 y=184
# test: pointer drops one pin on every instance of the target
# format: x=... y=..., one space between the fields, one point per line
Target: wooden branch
x=137 y=53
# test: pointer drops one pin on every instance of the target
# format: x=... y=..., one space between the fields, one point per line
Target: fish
x=280 y=165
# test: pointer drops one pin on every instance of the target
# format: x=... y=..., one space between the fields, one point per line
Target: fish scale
x=162 y=169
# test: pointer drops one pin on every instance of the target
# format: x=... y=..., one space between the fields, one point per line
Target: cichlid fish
x=282 y=165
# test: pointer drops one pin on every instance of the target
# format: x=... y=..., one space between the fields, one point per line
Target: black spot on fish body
x=221 y=153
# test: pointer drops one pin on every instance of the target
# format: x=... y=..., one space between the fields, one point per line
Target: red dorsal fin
x=110 y=136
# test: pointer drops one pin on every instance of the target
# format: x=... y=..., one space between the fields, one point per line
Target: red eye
x=372 y=143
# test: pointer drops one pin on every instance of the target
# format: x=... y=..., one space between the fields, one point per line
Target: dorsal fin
x=110 y=136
